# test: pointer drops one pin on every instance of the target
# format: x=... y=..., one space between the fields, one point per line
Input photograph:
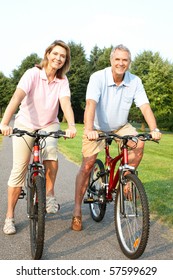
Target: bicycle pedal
x=89 y=200
x=22 y=194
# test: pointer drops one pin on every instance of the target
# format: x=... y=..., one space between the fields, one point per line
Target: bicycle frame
x=131 y=209
x=110 y=164
x=36 y=165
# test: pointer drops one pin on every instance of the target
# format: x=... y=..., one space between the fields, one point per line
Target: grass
x=155 y=171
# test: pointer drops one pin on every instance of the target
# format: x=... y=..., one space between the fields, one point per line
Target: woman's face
x=57 y=57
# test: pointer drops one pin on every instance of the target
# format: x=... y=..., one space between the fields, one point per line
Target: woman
x=39 y=92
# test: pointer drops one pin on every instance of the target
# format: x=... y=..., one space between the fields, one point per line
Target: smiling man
x=110 y=94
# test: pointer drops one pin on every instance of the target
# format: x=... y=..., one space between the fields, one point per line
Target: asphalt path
x=97 y=241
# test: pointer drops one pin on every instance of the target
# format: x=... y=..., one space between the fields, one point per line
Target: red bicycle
x=36 y=188
x=121 y=184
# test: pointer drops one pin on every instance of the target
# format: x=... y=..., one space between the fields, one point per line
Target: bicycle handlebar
x=134 y=138
x=38 y=133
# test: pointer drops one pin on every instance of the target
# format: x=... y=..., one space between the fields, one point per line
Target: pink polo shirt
x=40 y=106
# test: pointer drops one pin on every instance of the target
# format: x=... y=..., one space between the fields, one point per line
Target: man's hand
x=156 y=135
x=91 y=134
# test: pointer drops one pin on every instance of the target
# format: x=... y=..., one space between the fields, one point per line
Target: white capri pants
x=22 y=153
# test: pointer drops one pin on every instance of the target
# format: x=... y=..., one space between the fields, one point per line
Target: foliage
x=99 y=59
x=78 y=78
x=93 y=59
x=157 y=77
x=5 y=92
x=27 y=63
x=8 y=85
x=155 y=73
x=160 y=95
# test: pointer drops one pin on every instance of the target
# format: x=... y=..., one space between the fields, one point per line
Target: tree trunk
x=143 y=127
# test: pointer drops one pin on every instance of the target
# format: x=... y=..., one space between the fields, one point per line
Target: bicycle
x=36 y=188
x=110 y=182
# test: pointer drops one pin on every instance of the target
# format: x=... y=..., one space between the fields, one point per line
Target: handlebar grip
x=15 y=130
x=61 y=132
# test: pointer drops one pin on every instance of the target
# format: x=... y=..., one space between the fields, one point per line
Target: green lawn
x=155 y=171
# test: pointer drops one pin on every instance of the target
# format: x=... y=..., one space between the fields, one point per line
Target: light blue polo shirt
x=114 y=102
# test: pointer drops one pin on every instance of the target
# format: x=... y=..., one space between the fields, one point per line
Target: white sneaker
x=9 y=227
x=52 y=207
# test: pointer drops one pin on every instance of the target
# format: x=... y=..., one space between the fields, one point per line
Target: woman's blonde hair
x=60 y=73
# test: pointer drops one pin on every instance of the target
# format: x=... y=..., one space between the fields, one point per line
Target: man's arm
x=150 y=120
x=89 y=115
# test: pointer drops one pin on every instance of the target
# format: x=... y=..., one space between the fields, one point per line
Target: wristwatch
x=156 y=130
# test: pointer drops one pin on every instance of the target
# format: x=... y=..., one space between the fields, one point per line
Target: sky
x=30 y=26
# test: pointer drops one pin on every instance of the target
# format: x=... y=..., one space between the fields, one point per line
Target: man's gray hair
x=122 y=48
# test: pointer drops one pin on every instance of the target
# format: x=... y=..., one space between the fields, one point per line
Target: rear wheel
x=96 y=191
x=37 y=210
x=132 y=217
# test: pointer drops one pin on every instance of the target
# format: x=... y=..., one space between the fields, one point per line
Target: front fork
x=34 y=169
x=123 y=171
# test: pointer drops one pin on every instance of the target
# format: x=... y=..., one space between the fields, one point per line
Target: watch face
x=156 y=130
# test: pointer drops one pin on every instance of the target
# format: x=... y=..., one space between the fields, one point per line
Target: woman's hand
x=71 y=131
x=6 y=130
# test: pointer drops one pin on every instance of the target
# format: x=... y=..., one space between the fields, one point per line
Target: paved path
x=96 y=242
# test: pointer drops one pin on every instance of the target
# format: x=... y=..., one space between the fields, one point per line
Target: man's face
x=120 y=62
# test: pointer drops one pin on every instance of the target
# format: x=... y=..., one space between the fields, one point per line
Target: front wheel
x=37 y=208
x=96 y=191
x=131 y=214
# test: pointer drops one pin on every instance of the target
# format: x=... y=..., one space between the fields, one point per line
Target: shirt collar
x=111 y=82
x=44 y=77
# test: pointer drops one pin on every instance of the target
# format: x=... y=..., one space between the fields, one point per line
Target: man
x=110 y=94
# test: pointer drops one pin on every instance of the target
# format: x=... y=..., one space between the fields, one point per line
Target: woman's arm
x=14 y=103
x=69 y=115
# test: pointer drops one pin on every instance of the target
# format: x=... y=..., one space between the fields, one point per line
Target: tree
x=5 y=92
x=159 y=87
x=157 y=77
x=141 y=65
x=8 y=85
x=27 y=63
x=78 y=78
x=99 y=59
x=93 y=59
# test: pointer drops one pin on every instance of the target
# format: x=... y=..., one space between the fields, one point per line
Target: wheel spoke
x=37 y=218
x=96 y=192
x=132 y=218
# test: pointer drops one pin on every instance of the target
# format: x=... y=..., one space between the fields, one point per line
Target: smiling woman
x=57 y=57
x=40 y=92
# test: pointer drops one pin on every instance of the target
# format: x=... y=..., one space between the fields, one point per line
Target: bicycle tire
x=97 y=208
x=37 y=205
x=132 y=218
